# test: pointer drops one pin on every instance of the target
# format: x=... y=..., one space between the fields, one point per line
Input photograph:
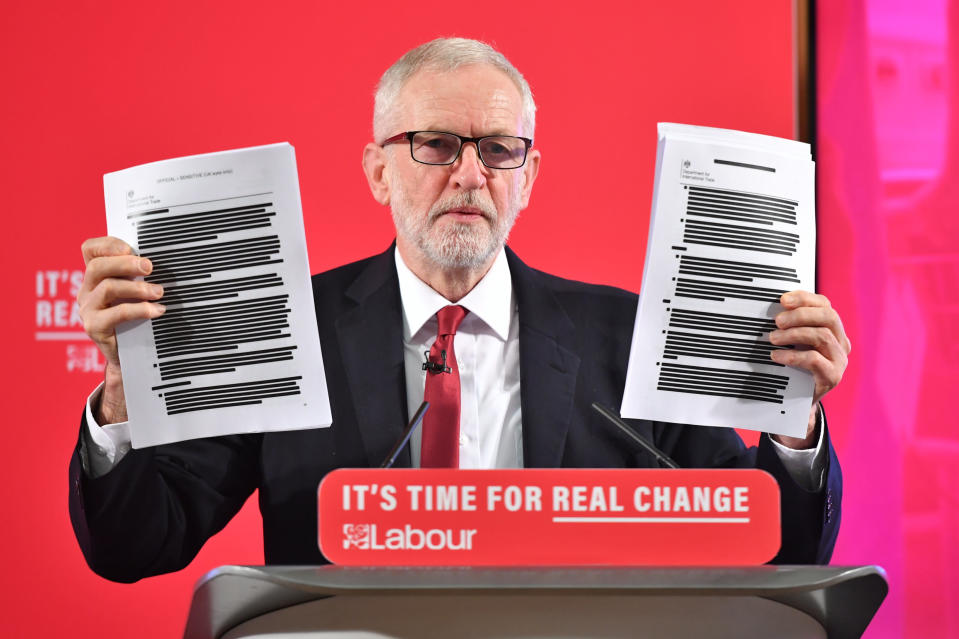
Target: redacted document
x=237 y=350
x=732 y=228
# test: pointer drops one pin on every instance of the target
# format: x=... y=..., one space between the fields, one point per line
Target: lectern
x=301 y=602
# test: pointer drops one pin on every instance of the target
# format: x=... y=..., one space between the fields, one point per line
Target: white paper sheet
x=237 y=350
x=732 y=228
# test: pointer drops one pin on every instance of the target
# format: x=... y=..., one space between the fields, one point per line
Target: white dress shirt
x=487 y=354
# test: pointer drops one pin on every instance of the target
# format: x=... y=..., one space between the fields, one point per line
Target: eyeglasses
x=438 y=147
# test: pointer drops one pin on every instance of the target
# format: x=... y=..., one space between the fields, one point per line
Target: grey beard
x=458 y=246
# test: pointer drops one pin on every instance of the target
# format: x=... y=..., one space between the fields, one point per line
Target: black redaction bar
x=718 y=291
x=191 y=313
x=714 y=347
x=196 y=215
x=239 y=394
x=702 y=380
x=720 y=323
x=223 y=363
x=184 y=228
x=220 y=289
x=743 y=271
x=196 y=252
x=740 y=237
x=757 y=197
x=205 y=232
x=746 y=207
x=744 y=165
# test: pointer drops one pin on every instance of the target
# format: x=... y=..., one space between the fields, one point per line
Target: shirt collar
x=491 y=300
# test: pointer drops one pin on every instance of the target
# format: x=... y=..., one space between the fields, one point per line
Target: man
x=530 y=352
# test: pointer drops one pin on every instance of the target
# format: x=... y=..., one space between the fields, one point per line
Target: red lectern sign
x=548 y=517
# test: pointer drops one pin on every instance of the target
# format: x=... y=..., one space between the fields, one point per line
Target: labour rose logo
x=356 y=535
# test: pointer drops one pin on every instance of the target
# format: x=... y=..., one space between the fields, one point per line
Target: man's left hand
x=811 y=325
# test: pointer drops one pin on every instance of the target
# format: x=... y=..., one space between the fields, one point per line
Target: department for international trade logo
x=356 y=536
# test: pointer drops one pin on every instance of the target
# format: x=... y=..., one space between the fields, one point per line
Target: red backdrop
x=91 y=88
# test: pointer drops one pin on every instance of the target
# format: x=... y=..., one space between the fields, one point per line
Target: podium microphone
x=643 y=443
x=405 y=437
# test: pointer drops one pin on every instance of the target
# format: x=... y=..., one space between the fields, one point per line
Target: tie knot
x=449 y=318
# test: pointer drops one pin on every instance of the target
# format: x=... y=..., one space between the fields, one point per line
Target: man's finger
x=102 y=324
x=818 y=338
x=112 y=290
x=130 y=266
x=113 y=266
x=795 y=299
x=825 y=373
x=815 y=316
x=104 y=246
x=810 y=316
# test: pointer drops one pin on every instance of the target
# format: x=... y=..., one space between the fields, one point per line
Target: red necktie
x=441 y=424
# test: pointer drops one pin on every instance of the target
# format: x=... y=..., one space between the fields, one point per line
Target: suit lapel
x=548 y=366
x=370 y=336
x=371 y=344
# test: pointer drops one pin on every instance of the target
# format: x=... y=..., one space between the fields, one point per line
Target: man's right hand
x=109 y=296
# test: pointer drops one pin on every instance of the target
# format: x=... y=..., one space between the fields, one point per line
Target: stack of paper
x=237 y=350
x=732 y=228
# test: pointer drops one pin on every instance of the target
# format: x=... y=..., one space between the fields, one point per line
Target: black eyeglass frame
x=408 y=135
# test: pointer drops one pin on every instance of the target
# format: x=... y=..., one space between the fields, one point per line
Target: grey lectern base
x=234 y=602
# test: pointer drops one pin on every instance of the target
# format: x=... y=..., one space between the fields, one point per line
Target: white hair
x=444 y=55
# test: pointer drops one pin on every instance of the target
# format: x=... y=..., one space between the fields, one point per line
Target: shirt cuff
x=806 y=467
x=102 y=447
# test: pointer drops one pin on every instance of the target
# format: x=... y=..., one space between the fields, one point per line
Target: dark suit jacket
x=156 y=508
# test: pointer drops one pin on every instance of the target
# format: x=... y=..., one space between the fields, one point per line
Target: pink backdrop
x=91 y=88
x=889 y=92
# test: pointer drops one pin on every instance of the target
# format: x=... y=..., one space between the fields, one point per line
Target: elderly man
x=526 y=352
